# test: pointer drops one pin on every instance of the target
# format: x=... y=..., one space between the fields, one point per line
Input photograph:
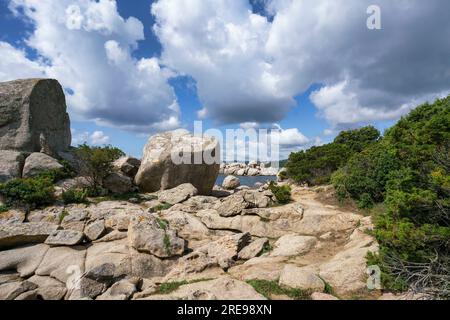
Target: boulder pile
x=251 y=169
x=117 y=250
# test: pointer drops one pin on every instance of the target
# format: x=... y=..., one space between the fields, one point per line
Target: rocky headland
x=177 y=237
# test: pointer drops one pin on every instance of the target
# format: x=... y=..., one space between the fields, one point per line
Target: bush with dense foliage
x=99 y=163
x=75 y=196
x=408 y=170
x=282 y=193
x=33 y=192
x=316 y=165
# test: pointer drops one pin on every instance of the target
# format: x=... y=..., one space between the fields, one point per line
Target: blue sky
x=312 y=85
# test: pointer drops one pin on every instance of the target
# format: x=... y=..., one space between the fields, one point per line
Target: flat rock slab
x=23 y=260
x=65 y=238
x=301 y=278
x=178 y=194
x=293 y=245
x=63 y=263
x=14 y=235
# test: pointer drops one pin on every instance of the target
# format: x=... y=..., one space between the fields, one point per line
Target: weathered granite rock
x=38 y=163
x=74 y=218
x=62 y=262
x=74 y=183
x=14 y=235
x=148 y=235
x=223 y=288
x=33 y=116
x=65 y=238
x=11 y=290
x=226 y=249
x=232 y=205
x=301 y=278
x=293 y=245
x=109 y=209
x=49 y=288
x=188 y=226
x=319 y=296
x=97 y=280
x=253 y=249
x=163 y=167
x=231 y=183
x=148 y=266
x=9 y=276
x=114 y=252
x=11 y=163
x=121 y=290
x=118 y=183
x=95 y=230
x=178 y=194
x=128 y=166
x=259 y=199
x=29 y=295
x=193 y=266
x=263 y=268
x=195 y=204
x=12 y=216
x=50 y=214
x=113 y=236
x=24 y=260
x=346 y=271
x=245 y=199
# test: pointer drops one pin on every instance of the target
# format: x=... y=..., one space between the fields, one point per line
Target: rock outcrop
x=118 y=250
x=251 y=169
x=33 y=116
x=128 y=166
x=11 y=165
x=173 y=158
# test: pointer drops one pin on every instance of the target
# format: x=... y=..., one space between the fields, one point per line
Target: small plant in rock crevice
x=270 y=288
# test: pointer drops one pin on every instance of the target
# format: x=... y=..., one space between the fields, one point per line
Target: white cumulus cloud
x=98 y=138
x=249 y=68
x=88 y=47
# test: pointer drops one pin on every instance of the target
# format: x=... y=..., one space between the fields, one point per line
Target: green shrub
x=282 y=193
x=409 y=170
x=4 y=208
x=75 y=196
x=35 y=192
x=99 y=163
x=365 y=175
x=316 y=165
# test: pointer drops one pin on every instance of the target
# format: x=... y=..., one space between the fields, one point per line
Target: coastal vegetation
x=407 y=172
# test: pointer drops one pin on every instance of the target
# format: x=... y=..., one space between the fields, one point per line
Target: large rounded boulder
x=33 y=116
x=177 y=157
